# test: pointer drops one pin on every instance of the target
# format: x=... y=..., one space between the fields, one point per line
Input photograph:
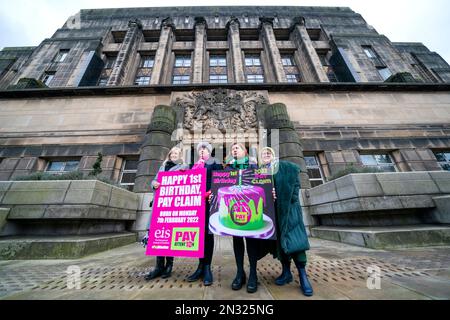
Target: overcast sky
x=28 y=22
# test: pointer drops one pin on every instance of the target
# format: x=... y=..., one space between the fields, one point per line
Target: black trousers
x=209 y=240
x=252 y=252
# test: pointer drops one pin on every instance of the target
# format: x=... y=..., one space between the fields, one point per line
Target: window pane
x=440 y=156
x=287 y=61
x=55 y=166
x=147 y=62
x=385 y=73
x=311 y=161
x=131 y=164
x=71 y=166
x=368 y=160
x=128 y=177
x=291 y=78
x=314 y=173
x=445 y=166
x=103 y=82
x=142 y=81
x=447 y=156
x=383 y=158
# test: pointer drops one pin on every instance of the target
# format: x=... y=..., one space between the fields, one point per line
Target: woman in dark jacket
x=173 y=162
x=204 y=150
x=292 y=240
x=255 y=247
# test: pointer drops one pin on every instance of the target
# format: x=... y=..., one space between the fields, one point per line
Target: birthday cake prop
x=239 y=211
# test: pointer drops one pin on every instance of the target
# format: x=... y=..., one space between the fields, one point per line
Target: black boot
x=252 y=285
x=207 y=275
x=197 y=274
x=305 y=285
x=286 y=275
x=239 y=280
x=158 y=270
x=168 y=269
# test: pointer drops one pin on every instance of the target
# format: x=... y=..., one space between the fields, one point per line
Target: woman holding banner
x=292 y=240
x=255 y=247
x=173 y=162
x=204 y=150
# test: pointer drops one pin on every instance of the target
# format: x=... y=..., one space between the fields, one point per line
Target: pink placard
x=178 y=217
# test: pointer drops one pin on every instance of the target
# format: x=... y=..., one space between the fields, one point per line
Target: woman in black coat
x=292 y=240
x=204 y=150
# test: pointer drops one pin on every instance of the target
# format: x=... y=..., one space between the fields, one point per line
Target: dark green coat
x=292 y=235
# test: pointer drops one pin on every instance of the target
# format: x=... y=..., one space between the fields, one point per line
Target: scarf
x=240 y=164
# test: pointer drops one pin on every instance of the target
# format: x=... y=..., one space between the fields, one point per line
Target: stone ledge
x=65 y=247
x=386 y=237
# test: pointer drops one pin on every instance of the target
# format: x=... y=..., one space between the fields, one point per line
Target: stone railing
x=87 y=212
x=394 y=204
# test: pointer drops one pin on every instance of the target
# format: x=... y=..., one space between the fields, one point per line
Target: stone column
x=270 y=47
x=127 y=51
x=162 y=55
x=291 y=149
x=199 y=50
x=234 y=42
x=156 y=146
x=310 y=65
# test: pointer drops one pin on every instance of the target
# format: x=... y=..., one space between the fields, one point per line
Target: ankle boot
x=252 y=285
x=239 y=280
x=286 y=275
x=158 y=270
x=197 y=274
x=207 y=275
x=168 y=269
x=305 y=285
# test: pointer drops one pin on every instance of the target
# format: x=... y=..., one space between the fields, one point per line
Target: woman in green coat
x=292 y=240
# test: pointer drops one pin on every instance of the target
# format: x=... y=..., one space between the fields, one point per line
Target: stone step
x=61 y=247
x=386 y=237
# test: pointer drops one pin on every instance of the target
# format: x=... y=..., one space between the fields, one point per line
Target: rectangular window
x=147 y=61
x=102 y=82
x=370 y=53
x=385 y=73
x=61 y=56
x=444 y=160
x=255 y=78
x=380 y=161
x=142 y=81
x=181 y=79
x=293 y=78
x=252 y=61
x=48 y=77
x=110 y=60
x=183 y=61
x=314 y=171
x=128 y=173
x=287 y=60
x=218 y=79
x=217 y=61
x=59 y=167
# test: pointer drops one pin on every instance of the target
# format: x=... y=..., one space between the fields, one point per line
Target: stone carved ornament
x=220 y=109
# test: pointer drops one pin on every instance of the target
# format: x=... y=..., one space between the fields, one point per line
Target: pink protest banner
x=178 y=218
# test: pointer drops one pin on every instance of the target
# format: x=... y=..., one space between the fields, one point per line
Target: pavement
x=337 y=271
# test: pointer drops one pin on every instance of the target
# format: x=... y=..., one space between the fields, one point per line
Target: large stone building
x=131 y=83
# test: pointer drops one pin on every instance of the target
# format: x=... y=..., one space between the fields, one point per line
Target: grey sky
x=27 y=22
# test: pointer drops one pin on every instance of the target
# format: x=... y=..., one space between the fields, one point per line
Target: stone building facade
x=132 y=83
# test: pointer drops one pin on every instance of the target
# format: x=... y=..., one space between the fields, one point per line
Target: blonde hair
x=170 y=152
x=261 y=152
